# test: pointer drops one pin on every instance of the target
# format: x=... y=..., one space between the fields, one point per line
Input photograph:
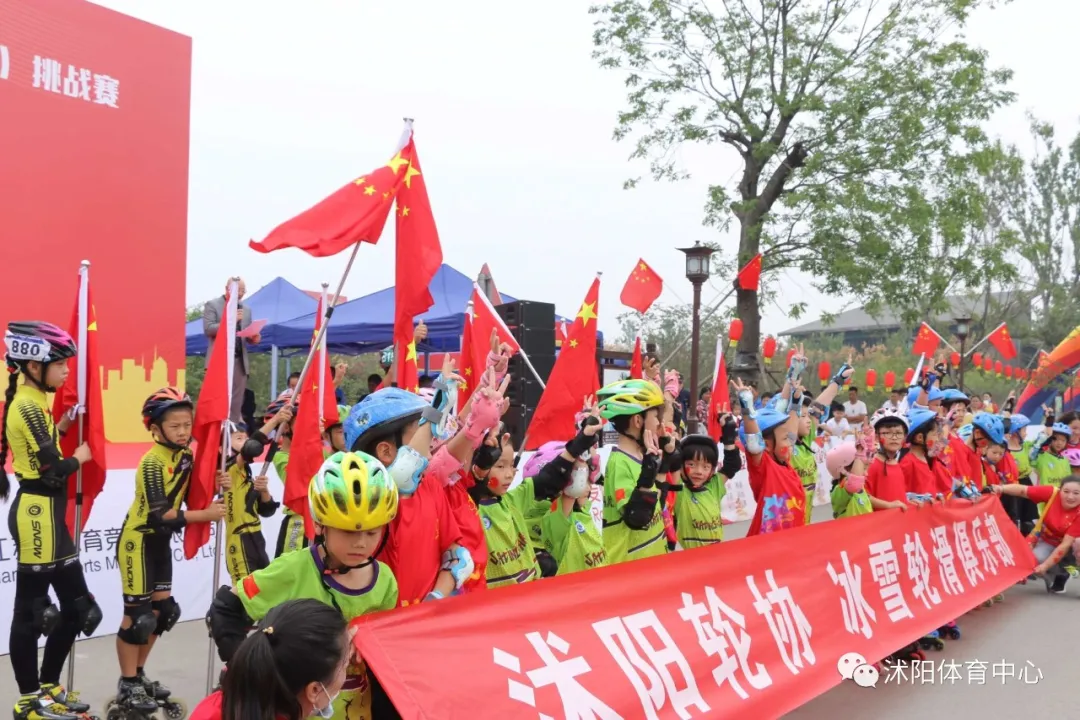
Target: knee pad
x=168 y=611
x=46 y=616
x=143 y=624
x=89 y=614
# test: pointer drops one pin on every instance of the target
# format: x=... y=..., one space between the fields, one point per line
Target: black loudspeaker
x=533 y=326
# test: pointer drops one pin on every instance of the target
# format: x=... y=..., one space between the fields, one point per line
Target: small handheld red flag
x=466 y=368
x=84 y=388
x=641 y=288
x=926 y=341
x=720 y=397
x=636 y=369
x=750 y=276
x=573 y=377
x=1003 y=342
x=485 y=319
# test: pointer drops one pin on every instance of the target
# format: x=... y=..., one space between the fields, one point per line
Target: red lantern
x=790 y=354
x=955 y=358
x=768 y=349
x=824 y=373
x=988 y=364
x=909 y=375
x=999 y=367
x=735 y=332
x=890 y=381
x=977 y=359
x=871 y=379
x=1008 y=371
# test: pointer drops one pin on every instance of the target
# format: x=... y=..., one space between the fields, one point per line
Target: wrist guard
x=459 y=563
x=581 y=443
x=838 y=379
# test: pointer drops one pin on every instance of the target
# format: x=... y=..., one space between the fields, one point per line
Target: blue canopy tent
x=276 y=302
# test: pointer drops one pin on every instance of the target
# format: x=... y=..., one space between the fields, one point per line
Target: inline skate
x=44 y=705
x=171 y=708
x=949 y=630
x=131 y=702
x=932 y=641
x=909 y=654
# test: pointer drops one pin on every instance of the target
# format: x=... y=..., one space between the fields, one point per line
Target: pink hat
x=839 y=458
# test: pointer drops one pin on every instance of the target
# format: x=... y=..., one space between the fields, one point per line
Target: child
x=837 y=428
x=1047 y=461
x=569 y=532
x=37 y=354
x=334 y=434
x=291 y=535
x=886 y=482
x=849 y=496
x=1023 y=511
x=353 y=499
x=293 y=665
x=633 y=513
x=697 y=505
x=247 y=499
x=924 y=478
x=161 y=485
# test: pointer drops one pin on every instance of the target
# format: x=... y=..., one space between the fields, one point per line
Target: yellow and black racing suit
x=245 y=549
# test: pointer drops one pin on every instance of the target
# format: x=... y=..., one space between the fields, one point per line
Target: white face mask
x=326 y=712
x=578 y=487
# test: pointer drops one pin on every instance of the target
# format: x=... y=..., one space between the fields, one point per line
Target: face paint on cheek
x=493 y=483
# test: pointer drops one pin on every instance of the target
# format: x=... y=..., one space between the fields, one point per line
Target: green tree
x=855 y=124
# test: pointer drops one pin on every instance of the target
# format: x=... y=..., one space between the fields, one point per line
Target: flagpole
x=225 y=436
x=80 y=384
x=319 y=337
x=322 y=367
x=708 y=315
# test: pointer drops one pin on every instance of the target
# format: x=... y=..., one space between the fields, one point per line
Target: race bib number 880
x=26 y=347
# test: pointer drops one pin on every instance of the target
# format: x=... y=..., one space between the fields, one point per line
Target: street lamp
x=963 y=327
x=697 y=272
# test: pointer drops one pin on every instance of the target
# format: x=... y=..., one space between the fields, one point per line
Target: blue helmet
x=919 y=419
x=767 y=419
x=1060 y=429
x=1018 y=422
x=936 y=393
x=380 y=413
x=954 y=395
x=913 y=396
x=991 y=426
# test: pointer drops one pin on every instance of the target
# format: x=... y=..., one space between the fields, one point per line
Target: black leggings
x=69 y=584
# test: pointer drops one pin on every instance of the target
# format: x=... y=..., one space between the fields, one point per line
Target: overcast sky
x=513 y=122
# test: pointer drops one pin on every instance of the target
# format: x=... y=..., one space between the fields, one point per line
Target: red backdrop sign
x=753 y=628
x=94 y=148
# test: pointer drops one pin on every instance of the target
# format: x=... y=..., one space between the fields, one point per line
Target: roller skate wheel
x=174 y=710
x=114 y=711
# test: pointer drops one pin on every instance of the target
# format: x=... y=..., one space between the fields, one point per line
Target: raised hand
x=652 y=445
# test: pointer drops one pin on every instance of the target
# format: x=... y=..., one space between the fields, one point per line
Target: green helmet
x=352 y=491
x=628 y=397
x=343 y=415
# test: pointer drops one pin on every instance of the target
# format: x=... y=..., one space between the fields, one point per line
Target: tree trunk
x=746 y=365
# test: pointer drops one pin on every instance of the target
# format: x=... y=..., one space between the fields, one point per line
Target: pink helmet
x=35 y=340
x=551 y=450
x=839 y=458
x=1073 y=456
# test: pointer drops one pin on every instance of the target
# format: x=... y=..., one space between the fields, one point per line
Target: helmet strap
x=39 y=384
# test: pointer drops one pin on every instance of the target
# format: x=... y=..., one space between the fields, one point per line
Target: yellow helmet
x=352 y=491
x=628 y=397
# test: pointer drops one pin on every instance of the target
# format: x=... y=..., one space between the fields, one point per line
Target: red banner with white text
x=752 y=628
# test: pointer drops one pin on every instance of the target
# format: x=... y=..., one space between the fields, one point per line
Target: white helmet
x=887 y=414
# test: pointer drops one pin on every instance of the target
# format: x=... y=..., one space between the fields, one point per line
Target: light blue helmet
x=920 y=420
x=1060 y=429
x=991 y=426
x=954 y=395
x=767 y=420
x=1018 y=422
x=936 y=393
x=380 y=413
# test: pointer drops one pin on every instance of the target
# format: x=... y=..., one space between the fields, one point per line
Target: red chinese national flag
x=636 y=370
x=315 y=398
x=419 y=255
x=485 y=320
x=572 y=379
x=1003 y=342
x=749 y=277
x=84 y=387
x=466 y=367
x=211 y=416
x=355 y=213
x=641 y=288
x=720 y=396
x=926 y=341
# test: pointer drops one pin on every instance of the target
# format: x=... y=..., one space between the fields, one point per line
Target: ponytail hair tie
x=269 y=630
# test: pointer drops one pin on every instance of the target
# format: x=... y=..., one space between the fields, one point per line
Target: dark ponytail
x=9 y=397
x=298 y=642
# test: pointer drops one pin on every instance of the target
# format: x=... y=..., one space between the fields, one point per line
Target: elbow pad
x=175 y=525
x=549 y=567
x=229 y=622
x=781 y=405
x=267 y=509
x=444 y=467
x=581 y=443
x=459 y=563
x=639 y=509
x=755 y=443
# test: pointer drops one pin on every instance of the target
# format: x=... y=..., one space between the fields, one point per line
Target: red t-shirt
x=208 y=709
x=964 y=463
x=1058 y=522
x=886 y=482
x=1007 y=467
x=423 y=529
x=778 y=491
x=467 y=517
x=921 y=477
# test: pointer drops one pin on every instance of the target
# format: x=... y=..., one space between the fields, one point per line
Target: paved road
x=1030 y=626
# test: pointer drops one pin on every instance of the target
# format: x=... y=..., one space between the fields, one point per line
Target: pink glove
x=444 y=467
x=671 y=383
x=483 y=416
x=854 y=484
x=498 y=364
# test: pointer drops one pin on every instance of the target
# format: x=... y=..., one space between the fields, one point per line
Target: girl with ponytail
x=292 y=667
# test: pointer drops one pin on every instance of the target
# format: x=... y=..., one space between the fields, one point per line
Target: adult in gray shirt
x=213 y=314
